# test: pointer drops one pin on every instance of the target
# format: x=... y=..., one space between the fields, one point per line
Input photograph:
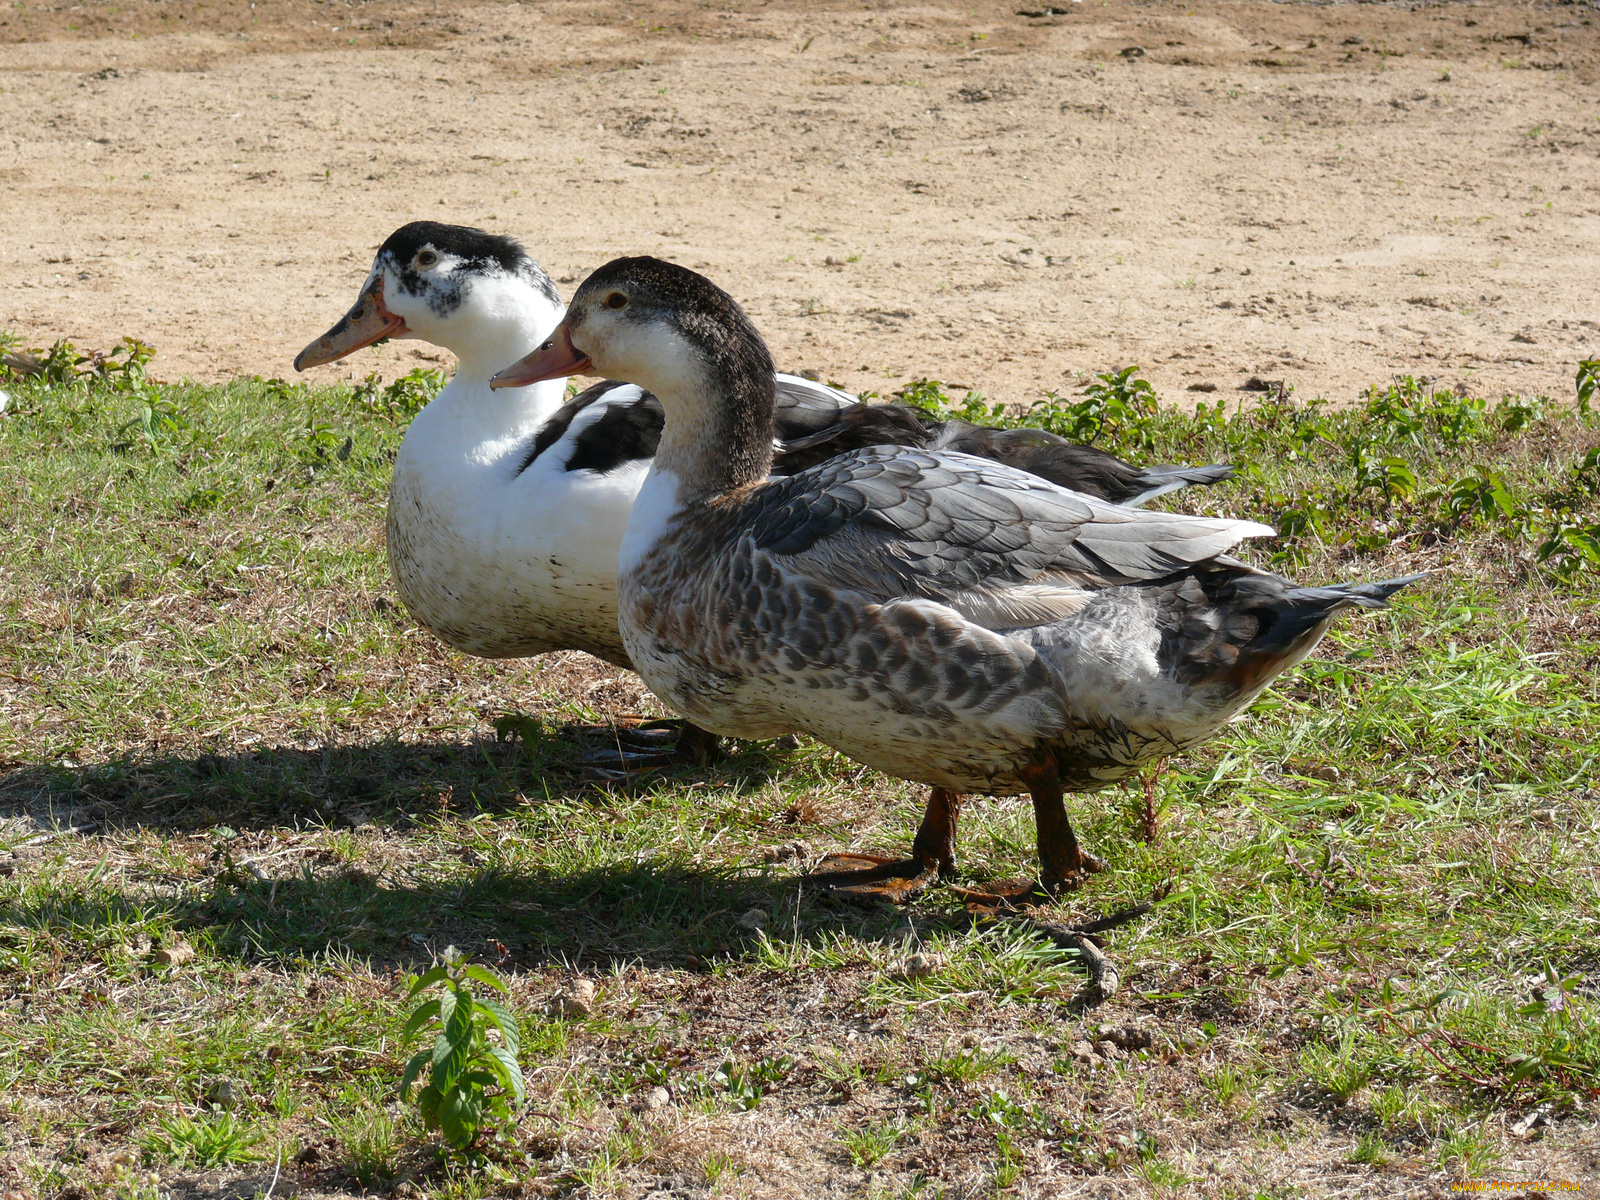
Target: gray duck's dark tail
x=1296 y=612
x=1158 y=481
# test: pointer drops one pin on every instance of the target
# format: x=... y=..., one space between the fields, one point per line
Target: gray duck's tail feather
x=1301 y=610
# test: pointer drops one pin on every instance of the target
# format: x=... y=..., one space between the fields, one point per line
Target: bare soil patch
x=1325 y=195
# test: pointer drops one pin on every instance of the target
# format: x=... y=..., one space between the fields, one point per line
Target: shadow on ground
x=544 y=880
x=390 y=783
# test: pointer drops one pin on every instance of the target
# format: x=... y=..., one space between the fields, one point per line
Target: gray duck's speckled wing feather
x=893 y=523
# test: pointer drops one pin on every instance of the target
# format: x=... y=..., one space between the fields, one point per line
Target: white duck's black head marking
x=437 y=262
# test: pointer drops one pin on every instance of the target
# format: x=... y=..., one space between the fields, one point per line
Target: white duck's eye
x=616 y=300
x=426 y=258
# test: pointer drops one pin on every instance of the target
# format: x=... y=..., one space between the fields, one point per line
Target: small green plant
x=61 y=362
x=471 y=1082
x=1388 y=473
x=1119 y=406
x=127 y=375
x=868 y=1147
x=213 y=1140
x=1588 y=381
x=1227 y=1083
x=1483 y=493
x=1467 y=1152
x=741 y=1085
x=998 y=1109
x=1516 y=414
x=1161 y=1175
x=403 y=398
x=1009 y=1169
x=155 y=420
x=321 y=439
x=1546 y=1047
x=715 y=1166
x=926 y=394
x=371 y=1140
x=964 y=1066
x=1336 y=1068
x=1392 y=1105
x=1370 y=1149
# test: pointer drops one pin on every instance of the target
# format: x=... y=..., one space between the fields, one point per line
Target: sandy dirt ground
x=1328 y=195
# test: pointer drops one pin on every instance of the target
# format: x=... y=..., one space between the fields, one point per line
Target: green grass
x=1376 y=947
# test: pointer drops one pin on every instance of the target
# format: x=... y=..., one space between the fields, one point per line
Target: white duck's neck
x=508 y=318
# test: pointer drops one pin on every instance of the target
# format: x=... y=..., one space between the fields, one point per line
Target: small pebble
x=576 y=1000
x=655 y=1099
x=921 y=965
x=755 y=920
x=174 y=955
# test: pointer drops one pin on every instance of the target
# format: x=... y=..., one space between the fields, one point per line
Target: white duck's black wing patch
x=892 y=523
x=629 y=430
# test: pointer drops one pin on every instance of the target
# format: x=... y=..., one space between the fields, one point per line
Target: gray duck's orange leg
x=1063 y=864
x=933 y=857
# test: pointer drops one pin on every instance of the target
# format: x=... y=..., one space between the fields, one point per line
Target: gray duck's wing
x=1004 y=548
x=1085 y=469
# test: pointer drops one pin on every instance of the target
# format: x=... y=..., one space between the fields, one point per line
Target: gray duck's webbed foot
x=933 y=858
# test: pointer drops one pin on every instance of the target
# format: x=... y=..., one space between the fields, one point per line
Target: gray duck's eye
x=426 y=258
x=616 y=300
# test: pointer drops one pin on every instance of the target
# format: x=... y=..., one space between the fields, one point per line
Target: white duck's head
x=680 y=336
x=477 y=294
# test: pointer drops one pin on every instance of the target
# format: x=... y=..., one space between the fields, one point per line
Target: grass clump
x=213 y=1139
x=869 y=1146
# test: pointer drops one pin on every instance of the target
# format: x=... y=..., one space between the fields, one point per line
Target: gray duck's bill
x=556 y=359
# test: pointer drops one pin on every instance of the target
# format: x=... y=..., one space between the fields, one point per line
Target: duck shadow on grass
x=388 y=783
x=660 y=914
x=264 y=896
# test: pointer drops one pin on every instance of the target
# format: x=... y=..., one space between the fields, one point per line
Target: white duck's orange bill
x=367 y=322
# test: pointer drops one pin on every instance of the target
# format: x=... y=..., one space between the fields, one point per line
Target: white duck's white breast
x=501 y=561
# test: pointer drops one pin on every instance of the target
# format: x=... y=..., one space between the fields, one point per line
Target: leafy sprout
x=468 y=1080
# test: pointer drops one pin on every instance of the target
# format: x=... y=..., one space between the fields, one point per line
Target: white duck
x=932 y=614
x=507 y=507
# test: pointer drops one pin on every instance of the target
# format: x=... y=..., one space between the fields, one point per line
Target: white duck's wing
x=804 y=406
x=611 y=424
x=1004 y=548
x=601 y=429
